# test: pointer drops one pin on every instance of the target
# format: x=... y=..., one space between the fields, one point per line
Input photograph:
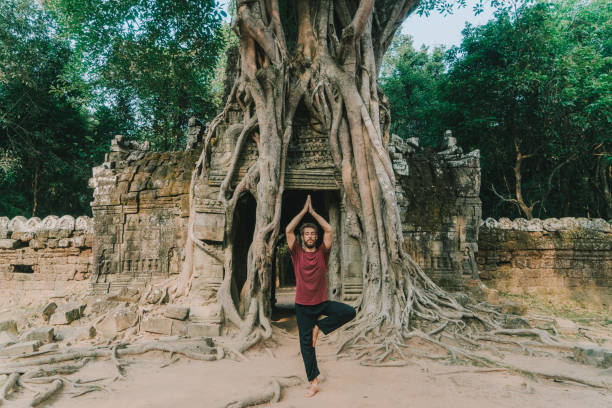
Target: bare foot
x=315 y=334
x=313 y=389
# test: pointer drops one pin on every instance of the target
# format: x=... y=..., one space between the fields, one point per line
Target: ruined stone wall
x=44 y=257
x=141 y=209
x=570 y=257
x=440 y=208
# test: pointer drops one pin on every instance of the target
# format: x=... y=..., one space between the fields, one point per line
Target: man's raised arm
x=289 y=234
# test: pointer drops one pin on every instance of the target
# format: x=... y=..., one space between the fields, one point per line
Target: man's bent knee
x=351 y=313
x=348 y=313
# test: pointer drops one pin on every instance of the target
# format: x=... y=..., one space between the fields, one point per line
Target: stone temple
x=141 y=212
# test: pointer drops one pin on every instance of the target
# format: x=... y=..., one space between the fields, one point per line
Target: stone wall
x=141 y=209
x=44 y=257
x=440 y=208
x=570 y=257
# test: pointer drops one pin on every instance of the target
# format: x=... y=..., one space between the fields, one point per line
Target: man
x=310 y=265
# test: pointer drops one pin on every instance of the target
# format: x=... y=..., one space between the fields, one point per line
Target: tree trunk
x=332 y=67
x=35 y=191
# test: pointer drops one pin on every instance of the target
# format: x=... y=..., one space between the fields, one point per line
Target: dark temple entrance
x=242 y=236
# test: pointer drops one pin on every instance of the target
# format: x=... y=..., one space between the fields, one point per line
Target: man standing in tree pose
x=310 y=265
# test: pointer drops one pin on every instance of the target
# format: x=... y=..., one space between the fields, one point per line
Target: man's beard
x=309 y=245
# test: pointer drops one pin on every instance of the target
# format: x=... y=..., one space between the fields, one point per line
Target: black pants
x=337 y=314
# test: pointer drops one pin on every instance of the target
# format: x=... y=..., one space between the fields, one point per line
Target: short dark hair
x=308 y=225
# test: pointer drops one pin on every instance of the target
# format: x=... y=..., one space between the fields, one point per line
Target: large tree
x=327 y=55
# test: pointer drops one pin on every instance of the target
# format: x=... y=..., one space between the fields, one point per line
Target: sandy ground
x=347 y=384
x=424 y=384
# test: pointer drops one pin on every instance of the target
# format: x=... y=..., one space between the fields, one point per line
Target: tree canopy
x=46 y=149
x=150 y=62
x=530 y=89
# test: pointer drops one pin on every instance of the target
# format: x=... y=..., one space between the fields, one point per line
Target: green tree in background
x=149 y=63
x=46 y=151
x=532 y=90
x=411 y=80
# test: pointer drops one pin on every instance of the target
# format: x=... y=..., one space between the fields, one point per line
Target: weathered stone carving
x=49 y=223
x=18 y=224
x=194 y=133
x=84 y=223
x=549 y=224
x=33 y=224
x=66 y=223
x=438 y=196
x=140 y=207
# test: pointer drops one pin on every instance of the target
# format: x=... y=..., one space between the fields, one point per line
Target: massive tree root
x=326 y=55
x=46 y=376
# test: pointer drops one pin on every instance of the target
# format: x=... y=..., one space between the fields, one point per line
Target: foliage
x=46 y=151
x=411 y=80
x=535 y=80
x=149 y=62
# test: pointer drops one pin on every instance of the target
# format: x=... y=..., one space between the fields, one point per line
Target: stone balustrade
x=567 y=257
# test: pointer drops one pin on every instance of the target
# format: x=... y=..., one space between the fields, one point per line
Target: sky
x=437 y=29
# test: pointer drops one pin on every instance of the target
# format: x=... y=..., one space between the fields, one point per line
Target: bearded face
x=309 y=238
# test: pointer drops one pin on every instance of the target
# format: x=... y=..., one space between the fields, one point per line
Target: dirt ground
x=423 y=383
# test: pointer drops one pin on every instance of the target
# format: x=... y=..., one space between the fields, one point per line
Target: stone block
x=212 y=313
x=117 y=321
x=20 y=348
x=48 y=347
x=74 y=334
x=179 y=328
x=565 y=326
x=8 y=243
x=177 y=312
x=99 y=306
x=158 y=325
x=24 y=236
x=36 y=244
x=4 y=229
x=63 y=243
x=43 y=334
x=7 y=338
x=125 y=294
x=203 y=330
x=209 y=227
x=593 y=355
x=8 y=325
x=67 y=313
x=78 y=242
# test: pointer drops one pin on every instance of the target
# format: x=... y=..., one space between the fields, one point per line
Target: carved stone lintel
x=210 y=206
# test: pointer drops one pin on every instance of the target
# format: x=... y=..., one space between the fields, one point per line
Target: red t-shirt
x=310 y=274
